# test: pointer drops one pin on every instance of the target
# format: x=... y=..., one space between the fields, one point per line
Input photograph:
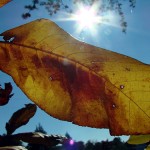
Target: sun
x=86 y=17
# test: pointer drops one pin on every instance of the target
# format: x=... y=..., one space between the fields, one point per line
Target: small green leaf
x=139 y=139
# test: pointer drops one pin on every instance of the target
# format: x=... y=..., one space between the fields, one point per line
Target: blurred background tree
x=54 y=6
x=40 y=129
x=5 y=140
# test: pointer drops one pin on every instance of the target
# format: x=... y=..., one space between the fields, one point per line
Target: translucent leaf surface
x=139 y=139
x=75 y=81
x=3 y=2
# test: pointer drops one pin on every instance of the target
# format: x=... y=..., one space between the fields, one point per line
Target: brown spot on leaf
x=95 y=67
x=50 y=62
x=128 y=69
x=84 y=94
x=69 y=71
x=81 y=87
x=6 y=55
x=24 y=71
x=17 y=53
x=36 y=61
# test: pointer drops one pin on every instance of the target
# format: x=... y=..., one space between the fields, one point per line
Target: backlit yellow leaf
x=75 y=81
x=3 y=2
x=139 y=139
x=148 y=148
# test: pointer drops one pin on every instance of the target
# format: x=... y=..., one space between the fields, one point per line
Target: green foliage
x=39 y=128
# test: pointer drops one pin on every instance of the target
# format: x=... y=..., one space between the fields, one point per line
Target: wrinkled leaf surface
x=20 y=118
x=75 y=81
x=139 y=139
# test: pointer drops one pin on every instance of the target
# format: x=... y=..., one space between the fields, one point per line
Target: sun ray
x=88 y=18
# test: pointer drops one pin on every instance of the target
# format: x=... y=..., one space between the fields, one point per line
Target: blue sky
x=135 y=43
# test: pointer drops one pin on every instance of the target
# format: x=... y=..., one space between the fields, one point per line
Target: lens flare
x=87 y=17
x=71 y=142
